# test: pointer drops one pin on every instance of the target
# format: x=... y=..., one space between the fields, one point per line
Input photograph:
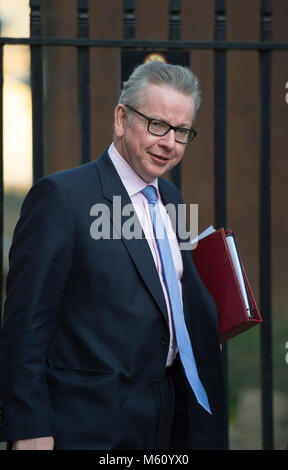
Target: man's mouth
x=159 y=158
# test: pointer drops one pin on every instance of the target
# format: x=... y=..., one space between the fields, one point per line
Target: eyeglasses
x=161 y=128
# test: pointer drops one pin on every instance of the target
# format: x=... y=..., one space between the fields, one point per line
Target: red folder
x=215 y=266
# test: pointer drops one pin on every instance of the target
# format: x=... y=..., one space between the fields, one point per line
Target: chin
x=152 y=177
x=157 y=173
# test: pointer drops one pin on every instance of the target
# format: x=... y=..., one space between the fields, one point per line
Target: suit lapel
x=138 y=250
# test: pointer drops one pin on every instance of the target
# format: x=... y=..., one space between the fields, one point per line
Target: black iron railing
x=265 y=46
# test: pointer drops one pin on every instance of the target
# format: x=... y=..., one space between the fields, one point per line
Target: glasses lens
x=184 y=135
x=158 y=127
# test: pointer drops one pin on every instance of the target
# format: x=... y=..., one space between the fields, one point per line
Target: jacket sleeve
x=40 y=259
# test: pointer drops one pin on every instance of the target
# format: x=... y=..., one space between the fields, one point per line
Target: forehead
x=167 y=104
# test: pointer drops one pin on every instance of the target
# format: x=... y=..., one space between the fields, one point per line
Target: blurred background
x=61 y=150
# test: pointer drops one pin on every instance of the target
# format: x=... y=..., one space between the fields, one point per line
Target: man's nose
x=168 y=140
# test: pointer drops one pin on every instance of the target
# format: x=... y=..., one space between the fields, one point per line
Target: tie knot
x=150 y=193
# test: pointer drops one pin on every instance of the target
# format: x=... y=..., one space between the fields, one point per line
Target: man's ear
x=120 y=119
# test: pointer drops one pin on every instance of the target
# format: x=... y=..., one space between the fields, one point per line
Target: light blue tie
x=171 y=282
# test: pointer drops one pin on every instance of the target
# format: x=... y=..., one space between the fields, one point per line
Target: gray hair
x=177 y=77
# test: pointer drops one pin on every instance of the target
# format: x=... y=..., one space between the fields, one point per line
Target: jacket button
x=164 y=341
x=155 y=383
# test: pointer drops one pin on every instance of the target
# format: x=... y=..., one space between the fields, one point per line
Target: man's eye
x=158 y=124
x=183 y=132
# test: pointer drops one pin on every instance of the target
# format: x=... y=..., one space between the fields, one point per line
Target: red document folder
x=213 y=260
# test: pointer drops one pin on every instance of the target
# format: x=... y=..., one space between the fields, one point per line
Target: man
x=92 y=357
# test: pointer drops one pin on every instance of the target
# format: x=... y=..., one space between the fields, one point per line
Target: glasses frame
x=174 y=128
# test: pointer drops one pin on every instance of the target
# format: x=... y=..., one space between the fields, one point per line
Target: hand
x=38 y=443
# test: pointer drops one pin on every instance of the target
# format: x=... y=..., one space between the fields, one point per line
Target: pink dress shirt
x=133 y=185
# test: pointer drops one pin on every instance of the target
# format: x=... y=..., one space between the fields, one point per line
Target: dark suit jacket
x=85 y=331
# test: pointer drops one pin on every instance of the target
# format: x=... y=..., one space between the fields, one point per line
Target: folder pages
x=220 y=267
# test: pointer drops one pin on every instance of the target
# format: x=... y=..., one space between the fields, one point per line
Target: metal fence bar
x=220 y=152
x=220 y=117
x=175 y=34
x=265 y=229
x=37 y=90
x=129 y=19
x=84 y=82
x=174 y=20
x=147 y=43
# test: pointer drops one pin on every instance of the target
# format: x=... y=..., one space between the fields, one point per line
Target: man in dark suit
x=90 y=358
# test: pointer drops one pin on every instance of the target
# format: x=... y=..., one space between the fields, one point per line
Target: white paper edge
x=203 y=234
x=238 y=270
